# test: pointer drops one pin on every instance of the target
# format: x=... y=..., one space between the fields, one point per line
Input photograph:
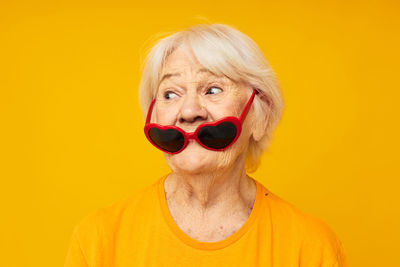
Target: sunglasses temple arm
x=148 y=117
x=247 y=107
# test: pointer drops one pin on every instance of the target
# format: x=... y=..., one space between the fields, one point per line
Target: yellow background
x=71 y=128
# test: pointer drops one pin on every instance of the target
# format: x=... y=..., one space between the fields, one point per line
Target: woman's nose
x=192 y=110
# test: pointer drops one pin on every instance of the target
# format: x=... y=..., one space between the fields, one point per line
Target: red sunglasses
x=216 y=135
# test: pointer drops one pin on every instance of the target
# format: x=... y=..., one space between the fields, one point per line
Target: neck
x=205 y=191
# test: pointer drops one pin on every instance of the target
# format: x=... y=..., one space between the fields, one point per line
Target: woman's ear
x=260 y=119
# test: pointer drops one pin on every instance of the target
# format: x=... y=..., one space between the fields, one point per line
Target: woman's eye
x=214 y=90
x=169 y=95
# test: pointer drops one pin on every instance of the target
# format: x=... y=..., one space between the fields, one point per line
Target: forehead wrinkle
x=169 y=75
x=208 y=73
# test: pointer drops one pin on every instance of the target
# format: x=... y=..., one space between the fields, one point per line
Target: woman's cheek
x=166 y=116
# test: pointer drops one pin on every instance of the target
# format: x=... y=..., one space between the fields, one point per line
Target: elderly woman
x=211 y=102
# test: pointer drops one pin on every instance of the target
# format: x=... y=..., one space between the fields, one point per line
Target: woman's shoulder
x=312 y=233
x=108 y=218
x=284 y=211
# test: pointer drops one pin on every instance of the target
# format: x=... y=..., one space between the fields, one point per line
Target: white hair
x=225 y=51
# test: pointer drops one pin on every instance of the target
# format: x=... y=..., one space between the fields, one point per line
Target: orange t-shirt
x=139 y=231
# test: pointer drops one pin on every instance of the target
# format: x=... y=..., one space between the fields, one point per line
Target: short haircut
x=228 y=52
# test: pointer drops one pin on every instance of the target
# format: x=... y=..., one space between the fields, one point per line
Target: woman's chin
x=193 y=159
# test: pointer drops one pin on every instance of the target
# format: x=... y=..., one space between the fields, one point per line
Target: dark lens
x=170 y=139
x=219 y=136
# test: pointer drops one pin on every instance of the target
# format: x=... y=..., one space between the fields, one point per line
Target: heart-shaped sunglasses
x=216 y=135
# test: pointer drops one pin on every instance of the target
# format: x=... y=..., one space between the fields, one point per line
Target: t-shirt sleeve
x=90 y=242
x=321 y=246
x=340 y=256
x=75 y=255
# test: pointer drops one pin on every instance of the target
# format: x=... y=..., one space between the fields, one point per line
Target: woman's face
x=189 y=95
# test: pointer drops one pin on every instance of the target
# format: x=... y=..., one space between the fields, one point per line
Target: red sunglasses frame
x=187 y=136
